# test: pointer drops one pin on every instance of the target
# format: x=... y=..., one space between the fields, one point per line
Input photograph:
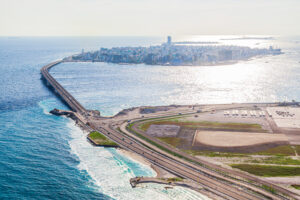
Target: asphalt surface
x=209 y=180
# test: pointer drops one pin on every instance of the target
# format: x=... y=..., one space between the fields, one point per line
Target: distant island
x=249 y=38
x=174 y=53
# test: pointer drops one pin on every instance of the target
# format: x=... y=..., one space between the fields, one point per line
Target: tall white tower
x=169 y=40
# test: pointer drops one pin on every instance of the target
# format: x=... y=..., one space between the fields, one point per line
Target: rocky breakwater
x=169 y=182
x=80 y=121
x=66 y=113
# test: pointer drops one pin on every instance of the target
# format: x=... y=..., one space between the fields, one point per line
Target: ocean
x=48 y=157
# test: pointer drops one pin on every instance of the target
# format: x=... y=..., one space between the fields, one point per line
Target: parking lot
x=233 y=116
x=285 y=117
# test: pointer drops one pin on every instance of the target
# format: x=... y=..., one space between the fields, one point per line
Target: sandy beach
x=160 y=173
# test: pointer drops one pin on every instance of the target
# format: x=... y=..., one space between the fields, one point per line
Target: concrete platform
x=285 y=117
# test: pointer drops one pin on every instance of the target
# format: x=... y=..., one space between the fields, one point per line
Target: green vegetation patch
x=285 y=150
x=272 y=190
x=267 y=170
x=280 y=160
x=203 y=125
x=296 y=187
x=214 y=154
x=101 y=140
x=147 y=124
x=223 y=125
x=297 y=148
x=173 y=141
x=279 y=155
x=174 y=179
x=144 y=126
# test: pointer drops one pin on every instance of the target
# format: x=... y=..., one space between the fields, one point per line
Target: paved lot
x=285 y=117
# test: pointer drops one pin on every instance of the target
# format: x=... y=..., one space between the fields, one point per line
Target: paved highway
x=210 y=180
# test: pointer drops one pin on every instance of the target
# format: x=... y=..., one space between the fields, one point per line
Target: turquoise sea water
x=47 y=157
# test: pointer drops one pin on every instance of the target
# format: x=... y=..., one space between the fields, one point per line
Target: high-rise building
x=225 y=55
x=169 y=40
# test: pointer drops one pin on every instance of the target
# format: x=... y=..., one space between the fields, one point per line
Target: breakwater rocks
x=66 y=113
x=169 y=182
x=154 y=109
x=93 y=113
x=72 y=115
x=138 y=180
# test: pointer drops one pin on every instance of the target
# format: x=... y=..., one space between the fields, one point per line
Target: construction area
x=261 y=140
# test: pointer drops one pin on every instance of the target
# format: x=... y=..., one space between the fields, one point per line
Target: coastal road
x=213 y=182
x=226 y=189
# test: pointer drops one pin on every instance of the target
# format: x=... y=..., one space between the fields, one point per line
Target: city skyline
x=145 y=18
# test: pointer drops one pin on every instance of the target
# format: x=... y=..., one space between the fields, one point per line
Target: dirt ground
x=235 y=139
x=163 y=130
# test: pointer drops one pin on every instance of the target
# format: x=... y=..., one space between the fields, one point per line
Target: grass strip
x=270 y=189
x=267 y=170
x=101 y=140
x=173 y=179
x=280 y=152
x=279 y=160
x=203 y=124
x=173 y=141
x=297 y=148
x=215 y=154
x=296 y=187
x=284 y=150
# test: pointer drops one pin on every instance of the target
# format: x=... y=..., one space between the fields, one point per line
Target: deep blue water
x=46 y=157
x=36 y=161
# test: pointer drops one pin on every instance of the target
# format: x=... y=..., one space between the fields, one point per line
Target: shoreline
x=162 y=177
x=157 y=178
x=212 y=64
x=107 y=126
x=136 y=157
x=159 y=173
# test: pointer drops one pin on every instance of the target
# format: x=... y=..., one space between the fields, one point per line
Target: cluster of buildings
x=174 y=54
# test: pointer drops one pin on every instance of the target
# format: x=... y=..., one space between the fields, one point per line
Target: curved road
x=210 y=180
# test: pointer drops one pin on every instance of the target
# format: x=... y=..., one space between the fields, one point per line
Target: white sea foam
x=111 y=171
x=49 y=104
x=44 y=106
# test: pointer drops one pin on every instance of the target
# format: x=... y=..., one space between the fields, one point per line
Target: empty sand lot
x=235 y=139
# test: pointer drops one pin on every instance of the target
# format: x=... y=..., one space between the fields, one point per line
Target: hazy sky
x=148 y=17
